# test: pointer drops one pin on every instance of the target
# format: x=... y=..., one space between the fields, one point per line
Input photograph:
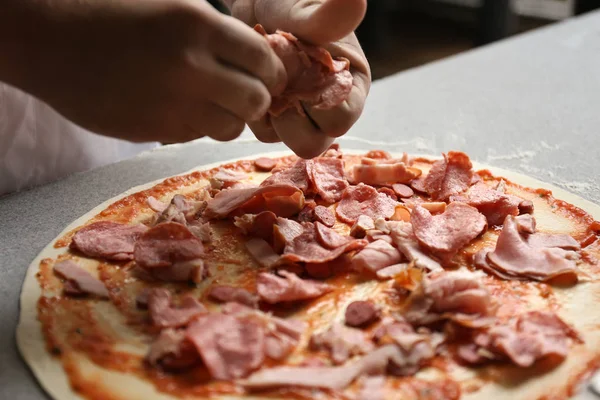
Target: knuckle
x=255 y=102
x=230 y=129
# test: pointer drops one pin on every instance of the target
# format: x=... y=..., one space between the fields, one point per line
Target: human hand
x=328 y=23
x=147 y=70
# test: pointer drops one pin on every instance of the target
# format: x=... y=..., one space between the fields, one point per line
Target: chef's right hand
x=144 y=70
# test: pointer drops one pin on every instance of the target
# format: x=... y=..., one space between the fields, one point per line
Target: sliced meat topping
x=306 y=247
x=525 y=339
x=308 y=212
x=364 y=200
x=416 y=349
x=455 y=295
x=361 y=226
x=372 y=388
x=227 y=294
x=202 y=231
x=156 y=205
x=262 y=252
x=375 y=256
x=171 y=350
x=167 y=244
x=296 y=175
x=327 y=177
x=492 y=203
x=289 y=287
x=284 y=233
x=224 y=178
x=329 y=238
x=283 y=200
x=182 y=271
x=324 y=216
x=265 y=164
x=375 y=362
x=405 y=241
x=450 y=231
x=259 y=225
x=180 y=209
x=516 y=257
x=80 y=280
x=449 y=176
x=384 y=173
x=389 y=192
x=391 y=271
x=402 y=190
x=231 y=347
x=314 y=77
x=561 y=241
x=108 y=240
x=165 y=315
x=341 y=342
x=361 y=313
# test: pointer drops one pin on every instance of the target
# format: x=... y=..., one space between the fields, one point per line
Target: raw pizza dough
x=580 y=310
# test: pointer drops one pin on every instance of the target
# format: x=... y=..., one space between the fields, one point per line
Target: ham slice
x=361 y=226
x=341 y=342
x=82 y=281
x=273 y=289
x=454 y=295
x=446 y=233
x=284 y=232
x=416 y=349
x=329 y=238
x=450 y=176
x=166 y=245
x=225 y=178
x=259 y=225
x=524 y=340
x=180 y=209
x=372 y=388
x=296 y=175
x=282 y=335
x=108 y=240
x=492 y=203
x=520 y=255
x=227 y=294
x=327 y=177
x=314 y=77
x=375 y=256
x=306 y=247
x=384 y=173
x=230 y=347
x=338 y=377
x=171 y=350
x=262 y=252
x=364 y=200
x=405 y=241
x=164 y=315
x=391 y=271
x=283 y=200
x=182 y=271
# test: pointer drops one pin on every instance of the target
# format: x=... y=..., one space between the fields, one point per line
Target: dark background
x=401 y=34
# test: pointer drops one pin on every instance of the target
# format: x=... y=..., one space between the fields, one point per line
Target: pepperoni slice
x=265 y=164
x=324 y=216
x=402 y=190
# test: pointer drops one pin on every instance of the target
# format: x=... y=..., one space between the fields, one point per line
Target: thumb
x=317 y=22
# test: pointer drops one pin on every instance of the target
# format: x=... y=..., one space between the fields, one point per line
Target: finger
x=207 y=119
x=241 y=94
x=264 y=131
x=337 y=121
x=317 y=22
x=300 y=135
x=240 y=46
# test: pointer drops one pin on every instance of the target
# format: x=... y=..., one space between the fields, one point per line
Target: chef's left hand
x=327 y=23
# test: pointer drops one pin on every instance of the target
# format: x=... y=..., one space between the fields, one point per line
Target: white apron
x=37 y=145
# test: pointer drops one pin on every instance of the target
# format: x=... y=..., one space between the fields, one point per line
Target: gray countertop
x=530 y=104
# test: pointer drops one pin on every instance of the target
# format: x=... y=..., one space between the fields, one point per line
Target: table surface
x=530 y=104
